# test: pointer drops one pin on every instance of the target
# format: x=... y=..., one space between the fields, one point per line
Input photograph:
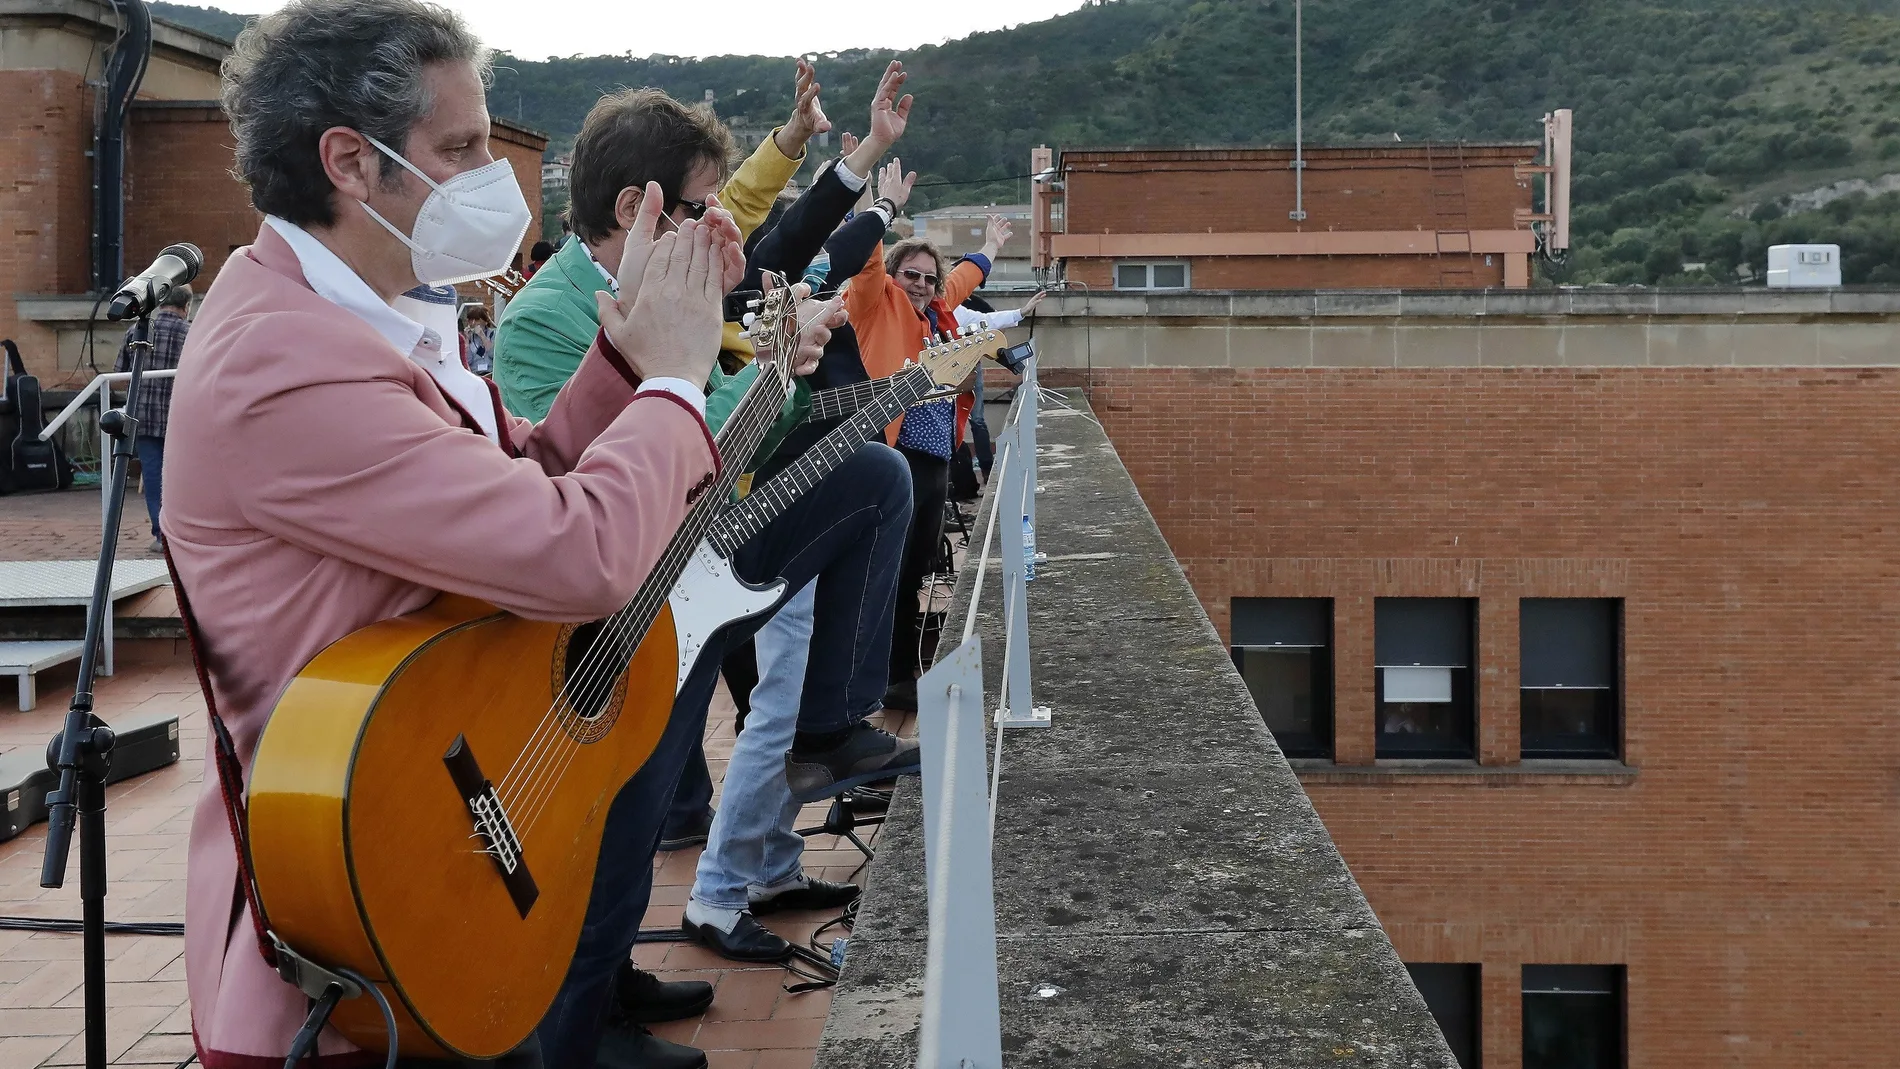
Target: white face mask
x=469 y=228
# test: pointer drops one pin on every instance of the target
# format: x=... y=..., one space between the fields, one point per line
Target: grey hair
x=317 y=64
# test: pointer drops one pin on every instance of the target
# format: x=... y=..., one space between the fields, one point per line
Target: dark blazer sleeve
x=789 y=247
x=851 y=247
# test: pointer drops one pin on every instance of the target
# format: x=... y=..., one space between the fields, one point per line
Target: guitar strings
x=615 y=637
x=622 y=633
x=585 y=673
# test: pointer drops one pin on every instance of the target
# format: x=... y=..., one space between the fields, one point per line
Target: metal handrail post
x=961 y=1026
x=1014 y=706
x=1027 y=419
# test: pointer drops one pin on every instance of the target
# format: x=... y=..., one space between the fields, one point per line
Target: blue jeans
x=151 y=454
x=847 y=533
x=752 y=842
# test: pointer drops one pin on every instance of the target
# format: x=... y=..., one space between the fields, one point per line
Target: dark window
x=1573 y=1017
x=1569 y=677
x=1452 y=993
x=1422 y=648
x=1283 y=648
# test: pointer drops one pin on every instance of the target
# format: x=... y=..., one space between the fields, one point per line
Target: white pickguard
x=709 y=596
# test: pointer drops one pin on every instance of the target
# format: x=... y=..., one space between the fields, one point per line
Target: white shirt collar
x=336 y=282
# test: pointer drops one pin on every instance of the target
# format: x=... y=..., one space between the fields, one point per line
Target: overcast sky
x=535 y=29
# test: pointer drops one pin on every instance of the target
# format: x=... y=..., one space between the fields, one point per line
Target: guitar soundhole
x=590 y=675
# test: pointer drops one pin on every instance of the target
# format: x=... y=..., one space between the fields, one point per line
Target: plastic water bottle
x=1029 y=550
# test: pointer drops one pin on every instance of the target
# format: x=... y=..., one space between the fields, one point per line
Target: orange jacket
x=891 y=331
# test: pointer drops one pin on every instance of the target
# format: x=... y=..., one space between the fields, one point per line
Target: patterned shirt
x=155 y=395
x=930 y=426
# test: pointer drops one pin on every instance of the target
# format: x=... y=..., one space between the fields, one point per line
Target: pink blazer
x=318 y=481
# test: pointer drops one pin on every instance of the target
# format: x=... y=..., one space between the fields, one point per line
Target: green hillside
x=1693 y=117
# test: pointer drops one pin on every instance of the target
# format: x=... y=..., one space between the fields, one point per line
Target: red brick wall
x=1450 y=271
x=1746 y=875
x=1402 y=187
x=45 y=210
x=179 y=188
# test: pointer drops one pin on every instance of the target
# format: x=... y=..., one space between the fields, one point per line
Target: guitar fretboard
x=831 y=404
x=764 y=503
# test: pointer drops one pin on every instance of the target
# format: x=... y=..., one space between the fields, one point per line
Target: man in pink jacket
x=333 y=464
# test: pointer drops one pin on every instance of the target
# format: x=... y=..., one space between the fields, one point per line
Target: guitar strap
x=230 y=769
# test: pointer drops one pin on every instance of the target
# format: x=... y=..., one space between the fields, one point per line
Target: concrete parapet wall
x=1165 y=893
x=1537 y=328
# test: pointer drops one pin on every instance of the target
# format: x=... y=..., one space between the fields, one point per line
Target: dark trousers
x=151 y=454
x=847 y=533
x=930 y=489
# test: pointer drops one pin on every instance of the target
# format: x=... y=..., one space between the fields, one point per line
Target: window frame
x=1464 y=696
x=1323 y=691
x=1612 y=748
x=1618 y=996
x=1148 y=275
x=1473 y=981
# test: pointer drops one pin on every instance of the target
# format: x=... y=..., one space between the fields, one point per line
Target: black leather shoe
x=815 y=894
x=629 y=1046
x=690 y=832
x=644 y=998
x=867 y=755
x=748 y=940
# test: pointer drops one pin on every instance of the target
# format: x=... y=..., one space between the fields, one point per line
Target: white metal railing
x=102 y=385
x=962 y=1017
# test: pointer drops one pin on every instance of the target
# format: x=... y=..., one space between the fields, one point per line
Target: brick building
x=1410 y=215
x=1579 y=628
x=178 y=185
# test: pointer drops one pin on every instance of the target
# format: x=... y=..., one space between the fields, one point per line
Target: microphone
x=143 y=293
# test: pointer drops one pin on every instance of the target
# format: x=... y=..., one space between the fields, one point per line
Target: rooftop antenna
x=1298 y=214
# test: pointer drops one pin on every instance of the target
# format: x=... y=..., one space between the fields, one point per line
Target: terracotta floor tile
x=796 y=1058
x=803 y=1004
x=747 y=996
x=732 y=1059
x=759 y=1035
x=157 y=1048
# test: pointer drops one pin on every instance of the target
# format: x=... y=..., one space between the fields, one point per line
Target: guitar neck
x=765 y=503
x=844 y=400
x=737 y=440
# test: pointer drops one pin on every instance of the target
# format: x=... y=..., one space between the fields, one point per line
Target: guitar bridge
x=492 y=826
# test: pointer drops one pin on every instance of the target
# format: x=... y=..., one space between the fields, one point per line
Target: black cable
x=389 y=1016
x=70 y=926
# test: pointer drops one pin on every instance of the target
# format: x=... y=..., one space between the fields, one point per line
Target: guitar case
x=145 y=743
x=30 y=463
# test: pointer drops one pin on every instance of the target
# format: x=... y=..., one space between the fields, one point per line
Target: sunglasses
x=695 y=209
x=911 y=274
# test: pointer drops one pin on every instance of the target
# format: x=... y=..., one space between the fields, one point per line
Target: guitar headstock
x=950 y=361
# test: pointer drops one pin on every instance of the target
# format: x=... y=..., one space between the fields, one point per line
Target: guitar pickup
x=492 y=825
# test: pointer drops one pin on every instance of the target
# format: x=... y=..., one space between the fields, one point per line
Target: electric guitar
x=427 y=801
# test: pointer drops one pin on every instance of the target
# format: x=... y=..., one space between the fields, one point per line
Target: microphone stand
x=82 y=752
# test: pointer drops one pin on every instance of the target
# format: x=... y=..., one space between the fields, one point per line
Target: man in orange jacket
x=897 y=304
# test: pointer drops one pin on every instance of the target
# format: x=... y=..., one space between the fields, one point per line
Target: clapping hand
x=671 y=328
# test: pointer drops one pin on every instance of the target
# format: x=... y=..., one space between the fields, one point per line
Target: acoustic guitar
x=428 y=798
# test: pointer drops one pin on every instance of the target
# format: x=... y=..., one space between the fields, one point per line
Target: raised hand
x=808 y=115
x=732 y=256
x=995 y=236
x=672 y=329
x=847 y=143
x=890 y=113
x=893 y=184
x=1029 y=306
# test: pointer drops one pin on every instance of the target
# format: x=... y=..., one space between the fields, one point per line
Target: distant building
x=1415 y=215
x=556 y=175
x=959 y=229
x=178 y=184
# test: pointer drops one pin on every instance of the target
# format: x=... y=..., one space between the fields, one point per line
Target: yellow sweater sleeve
x=748 y=195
